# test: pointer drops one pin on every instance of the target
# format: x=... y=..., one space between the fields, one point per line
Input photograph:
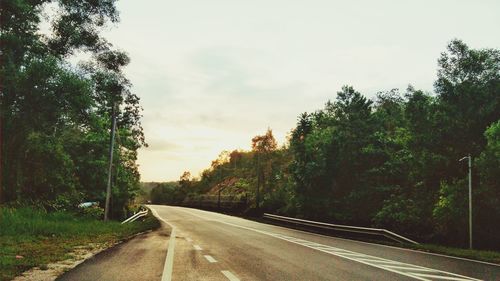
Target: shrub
x=94 y=212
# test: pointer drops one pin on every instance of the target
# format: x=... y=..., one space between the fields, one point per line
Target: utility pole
x=470 y=198
x=111 y=146
x=257 y=195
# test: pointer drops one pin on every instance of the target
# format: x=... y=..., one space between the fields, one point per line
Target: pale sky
x=212 y=74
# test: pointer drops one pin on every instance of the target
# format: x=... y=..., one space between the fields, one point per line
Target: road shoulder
x=140 y=258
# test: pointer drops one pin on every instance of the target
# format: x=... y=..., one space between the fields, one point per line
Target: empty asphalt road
x=200 y=245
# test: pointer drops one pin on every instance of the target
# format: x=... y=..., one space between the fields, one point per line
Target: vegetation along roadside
x=34 y=238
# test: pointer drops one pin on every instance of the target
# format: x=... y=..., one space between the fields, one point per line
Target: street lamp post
x=470 y=198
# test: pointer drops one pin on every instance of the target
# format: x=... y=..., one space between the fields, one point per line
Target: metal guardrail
x=136 y=216
x=356 y=229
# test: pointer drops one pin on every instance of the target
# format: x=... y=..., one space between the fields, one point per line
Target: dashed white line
x=210 y=259
x=230 y=276
x=197 y=248
x=361 y=242
x=189 y=240
x=405 y=269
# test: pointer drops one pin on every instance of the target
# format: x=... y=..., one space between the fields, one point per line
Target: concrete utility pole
x=470 y=198
x=111 y=146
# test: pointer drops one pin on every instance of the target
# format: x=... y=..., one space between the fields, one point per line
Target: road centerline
x=406 y=269
x=229 y=275
x=210 y=259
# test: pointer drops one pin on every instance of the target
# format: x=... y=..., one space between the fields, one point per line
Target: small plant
x=33 y=237
x=94 y=212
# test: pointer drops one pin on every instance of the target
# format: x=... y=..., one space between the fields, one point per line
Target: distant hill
x=145 y=193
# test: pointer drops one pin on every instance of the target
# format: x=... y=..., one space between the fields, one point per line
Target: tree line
x=55 y=116
x=391 y=161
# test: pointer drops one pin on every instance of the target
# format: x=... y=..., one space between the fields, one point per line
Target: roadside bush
x=94 y=212
x=65 y=202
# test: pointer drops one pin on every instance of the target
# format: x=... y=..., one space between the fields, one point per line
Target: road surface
x=199 y=245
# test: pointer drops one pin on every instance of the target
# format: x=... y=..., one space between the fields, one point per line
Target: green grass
x=480 y=255
x=42 y=238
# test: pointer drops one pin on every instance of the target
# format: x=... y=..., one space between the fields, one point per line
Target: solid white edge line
x=168 y=266
x=338 y=254
x=210 y=259
x=351 y=240
x=440 y=277
x=229 y=275
x=169 y=261
x=155 y=213
x=409 y=268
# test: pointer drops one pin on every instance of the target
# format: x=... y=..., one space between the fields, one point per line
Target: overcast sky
x=212 y=74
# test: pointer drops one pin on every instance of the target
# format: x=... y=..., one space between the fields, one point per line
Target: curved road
x=200 y=245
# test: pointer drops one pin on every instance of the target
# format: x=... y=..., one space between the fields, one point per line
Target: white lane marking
x=155 y=213
x=169 y=261
x=197 y=248
x=350 y=240
x=441 y=277
x=381 y=262
x=230 y=276
x=409 y=268
x=210 y=259
x=189 y=240
x=361 y=258
x=348 y=254
x=406 y=269
x=168 y=267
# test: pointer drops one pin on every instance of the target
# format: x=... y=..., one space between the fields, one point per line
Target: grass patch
x=480 y=255
x=31 y=238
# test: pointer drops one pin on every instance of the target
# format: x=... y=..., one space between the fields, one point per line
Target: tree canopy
x=55 y=116
x=390 y=161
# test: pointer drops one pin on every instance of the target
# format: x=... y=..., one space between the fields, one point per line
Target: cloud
x=212 y=74
x=162 y=145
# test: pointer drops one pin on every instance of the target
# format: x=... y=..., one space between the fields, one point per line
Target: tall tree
x=54 y=116
x=263 y=146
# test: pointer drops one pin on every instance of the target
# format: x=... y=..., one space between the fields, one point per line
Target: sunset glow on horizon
x=213 y=74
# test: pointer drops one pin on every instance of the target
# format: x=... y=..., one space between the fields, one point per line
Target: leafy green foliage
x=167 y=193
x=93 y=212
x=42 y=237
x=390 y=162
x=55 y=117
